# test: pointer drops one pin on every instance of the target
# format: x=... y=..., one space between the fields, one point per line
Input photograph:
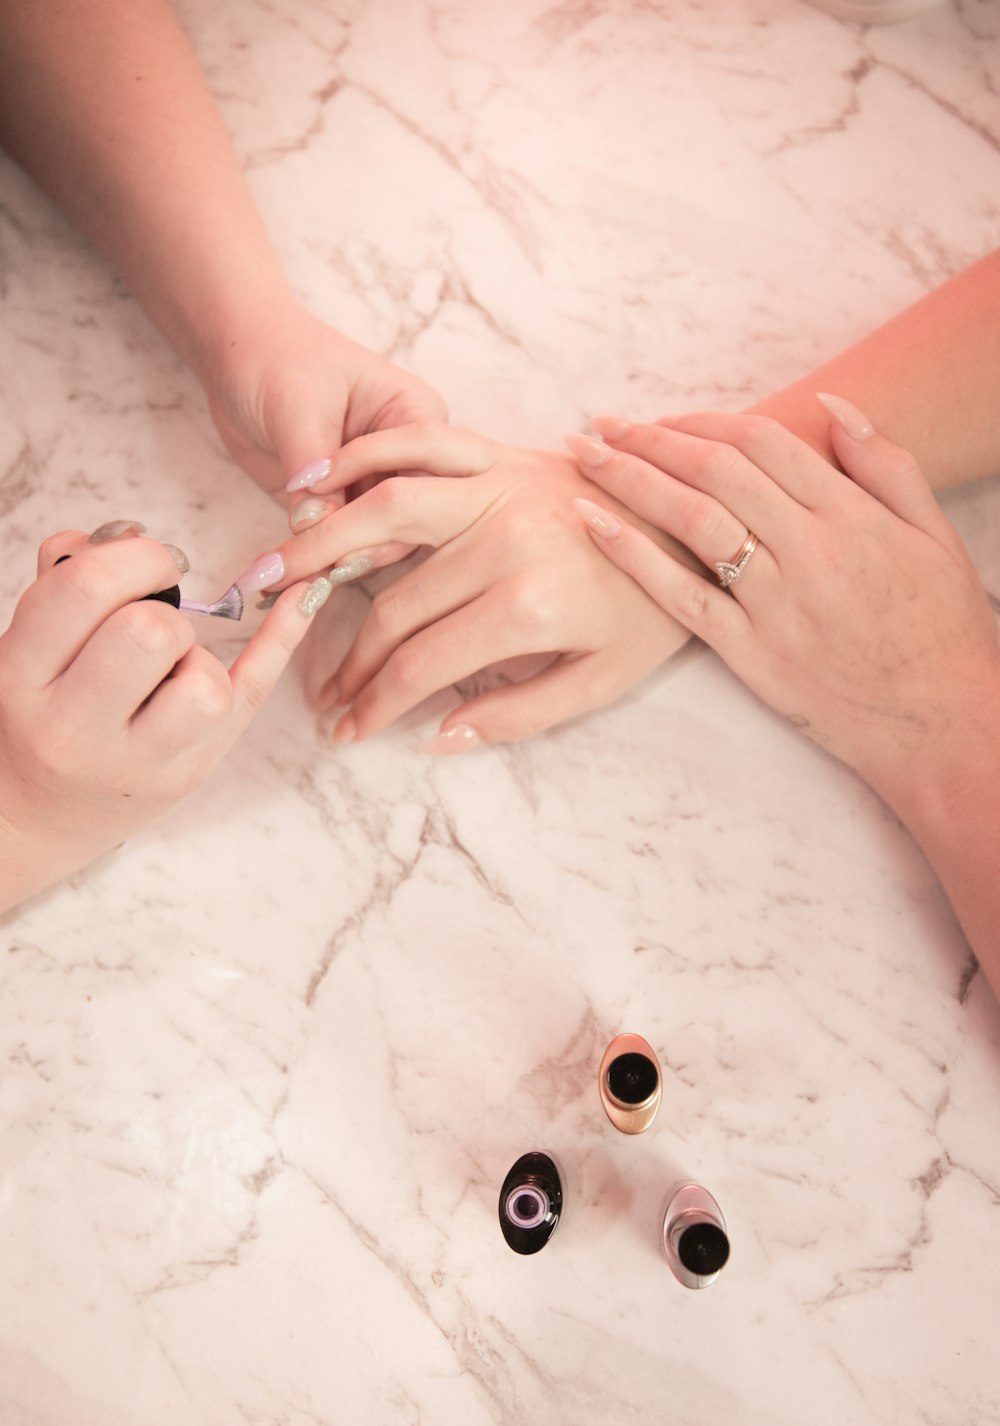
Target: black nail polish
x=530 y=1203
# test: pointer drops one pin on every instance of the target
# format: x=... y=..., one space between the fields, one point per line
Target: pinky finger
x=708 y=613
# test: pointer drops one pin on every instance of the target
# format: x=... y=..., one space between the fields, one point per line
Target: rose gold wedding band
x=730 y=571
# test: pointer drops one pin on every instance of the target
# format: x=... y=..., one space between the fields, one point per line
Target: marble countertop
x=265 y=1068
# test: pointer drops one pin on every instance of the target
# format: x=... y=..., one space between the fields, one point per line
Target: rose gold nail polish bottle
x=630 y=1084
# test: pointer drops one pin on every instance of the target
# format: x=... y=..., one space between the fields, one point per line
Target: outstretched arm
x=105 y=106
x=929 y=379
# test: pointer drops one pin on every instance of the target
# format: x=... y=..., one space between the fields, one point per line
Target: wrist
x=947 y=790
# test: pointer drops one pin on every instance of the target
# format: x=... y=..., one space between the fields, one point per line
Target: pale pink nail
x=589 y=453
x=601 y=521
x=310 y=474
x=268 y=570
x=459 y=738
x=612 y=428
x=847 y=415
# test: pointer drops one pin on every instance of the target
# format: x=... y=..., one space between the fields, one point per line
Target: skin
x=928 y=378
x=860 y=617
x=105 y=106
x=110 y=713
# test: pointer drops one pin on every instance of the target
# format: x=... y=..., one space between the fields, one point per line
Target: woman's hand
x=109 y=712
x=859 y=615
x=512 y=574
x=288 y=390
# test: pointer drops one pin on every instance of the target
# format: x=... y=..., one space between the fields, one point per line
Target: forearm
x=105 y=106
x=954 y=816
x=929 y=380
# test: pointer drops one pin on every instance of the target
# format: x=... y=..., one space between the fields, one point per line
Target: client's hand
x=512 y=574
x=109 y=713
x=858 y=614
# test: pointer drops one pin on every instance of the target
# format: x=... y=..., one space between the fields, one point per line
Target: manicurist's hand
x=858 y=614
x=512 y=574
x=109 y=711
x=287 y=390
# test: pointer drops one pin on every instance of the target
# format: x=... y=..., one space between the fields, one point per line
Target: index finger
x=429 y=446
x=409 y=510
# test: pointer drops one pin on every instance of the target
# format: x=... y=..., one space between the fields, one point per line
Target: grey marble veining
x=264 y=1069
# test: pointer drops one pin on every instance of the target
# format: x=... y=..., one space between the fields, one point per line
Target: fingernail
x=348 y=569
x=345 y=731
x=612 y=428
x=267 y=570
x=601 y=521
x=310 y=474
x=459 y=738
x=116 y=530
x=854 y=422
x=309 y=513
x=179 y=558
x=589 y=453
x=315 y=596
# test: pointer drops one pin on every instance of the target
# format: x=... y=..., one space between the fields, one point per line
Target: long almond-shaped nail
x=310 y=474
x=612 y=428
x=847 y=415
x=601 y=521
x=589 y=453
x=459 y=738
x=267 y=570
x=116 y=530
x=315 y=596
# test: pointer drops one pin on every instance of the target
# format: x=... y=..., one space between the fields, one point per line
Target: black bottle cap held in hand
x=530 y=1203
x=695 y=1241
x=630 y=1084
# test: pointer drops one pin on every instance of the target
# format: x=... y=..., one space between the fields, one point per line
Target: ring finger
x=702 y=523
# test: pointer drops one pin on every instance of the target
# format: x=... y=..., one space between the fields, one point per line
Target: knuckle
x=154 y=628
x=386 y=613
x=706 y=522
x=409 y=667
x=529 y=605
x=211 y=695
x=693 y=600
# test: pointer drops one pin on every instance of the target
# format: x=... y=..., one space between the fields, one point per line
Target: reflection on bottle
x=530 y=1203
x=694 y=1236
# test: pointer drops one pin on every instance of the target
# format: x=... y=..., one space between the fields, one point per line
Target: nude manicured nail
x=847 y=415
x=116 y=530
x=267 y=570
x=310 y=474
x=612 y=428
x=459 y=738
x=349 y=569
x=179 y=558
x=601 y=521
x=309 y=513
x=589 y=452
x=315 y=596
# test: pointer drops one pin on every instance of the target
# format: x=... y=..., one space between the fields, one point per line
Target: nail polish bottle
x=630 y=1083
x=695 y=1241
x=530 y=1203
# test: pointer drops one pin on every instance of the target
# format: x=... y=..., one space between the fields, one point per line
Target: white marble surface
x=264 y=1070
